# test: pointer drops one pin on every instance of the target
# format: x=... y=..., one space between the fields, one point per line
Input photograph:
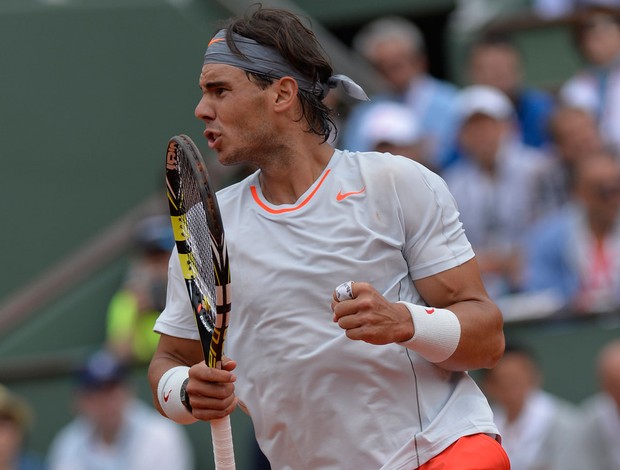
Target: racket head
x=200 y=241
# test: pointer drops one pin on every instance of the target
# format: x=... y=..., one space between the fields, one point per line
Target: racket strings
x=198 y=235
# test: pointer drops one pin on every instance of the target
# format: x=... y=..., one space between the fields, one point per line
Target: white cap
x=391 y=123
x=481 y=99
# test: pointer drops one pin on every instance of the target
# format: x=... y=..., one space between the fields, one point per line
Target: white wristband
x=169 y=395
x=437 y=332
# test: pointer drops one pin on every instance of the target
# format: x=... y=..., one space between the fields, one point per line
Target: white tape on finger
x=344 y=291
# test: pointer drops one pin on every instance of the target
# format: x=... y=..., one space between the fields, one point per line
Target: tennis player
x=374 y=381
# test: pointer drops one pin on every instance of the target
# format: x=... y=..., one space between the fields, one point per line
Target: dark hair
x=587 y=14
x=559 y=113
x=495 y=39
x=297 y=44
x=513 y=347
x=516 y=349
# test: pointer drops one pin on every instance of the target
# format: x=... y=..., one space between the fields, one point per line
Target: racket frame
x=212 y=315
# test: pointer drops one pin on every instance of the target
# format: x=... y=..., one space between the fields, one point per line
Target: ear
x=286 y=94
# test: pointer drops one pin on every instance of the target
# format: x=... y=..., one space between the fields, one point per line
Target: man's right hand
x=211 y=391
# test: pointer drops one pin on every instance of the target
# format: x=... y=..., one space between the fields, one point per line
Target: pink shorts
x=475 y=452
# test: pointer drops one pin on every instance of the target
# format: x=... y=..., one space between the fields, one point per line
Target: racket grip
x=223 y=450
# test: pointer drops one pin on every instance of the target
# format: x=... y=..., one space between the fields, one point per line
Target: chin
x=228 y=160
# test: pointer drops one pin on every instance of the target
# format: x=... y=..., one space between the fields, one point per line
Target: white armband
x=169 y=395
x=437 y=332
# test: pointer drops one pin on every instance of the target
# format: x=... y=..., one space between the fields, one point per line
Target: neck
x=109 y=437
x=600 y=229
x=513 y=412
x=489 y=166
x=109 y=433
x=285 y=179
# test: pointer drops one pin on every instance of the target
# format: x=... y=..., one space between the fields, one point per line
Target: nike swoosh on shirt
x=340 y=196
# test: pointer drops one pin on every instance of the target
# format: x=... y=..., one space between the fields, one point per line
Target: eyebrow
x=210 y=85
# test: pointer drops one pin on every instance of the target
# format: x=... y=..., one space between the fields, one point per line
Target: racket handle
x=223 y=450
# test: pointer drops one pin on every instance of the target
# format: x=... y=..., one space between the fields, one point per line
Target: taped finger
x=344 y=291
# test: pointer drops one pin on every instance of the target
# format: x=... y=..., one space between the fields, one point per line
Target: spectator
x=393 y=128
x=576 y=254
x=135 y=307
x=15 y=419
x=598 y=445
x=494 y=185
x=396 y=48
x=496 y=61
x=597 y=85
x=574 y=136
x=537 y=427
x=113 y=429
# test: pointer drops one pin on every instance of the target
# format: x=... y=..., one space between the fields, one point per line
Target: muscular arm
x=461 y=291
x=210 y=391
x=370 y=317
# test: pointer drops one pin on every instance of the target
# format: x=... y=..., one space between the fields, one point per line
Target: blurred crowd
x=535 y=172
x=113 y=429
x=543 y=431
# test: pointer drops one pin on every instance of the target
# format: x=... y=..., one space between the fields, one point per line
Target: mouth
x=212 y=137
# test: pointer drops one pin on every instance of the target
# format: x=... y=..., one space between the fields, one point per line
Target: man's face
x=238 y=120
x=480 y=137
x=10 y=440
x=598 y=186
x=576 y=136
x=496 y=66
x=397 y=62
x=511 y=381
x=104 y=406
x=600 y=40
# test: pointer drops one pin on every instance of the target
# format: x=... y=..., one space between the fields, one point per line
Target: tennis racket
x=200 y=241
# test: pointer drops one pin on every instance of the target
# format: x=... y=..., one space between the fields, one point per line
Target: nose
x=204 y=111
